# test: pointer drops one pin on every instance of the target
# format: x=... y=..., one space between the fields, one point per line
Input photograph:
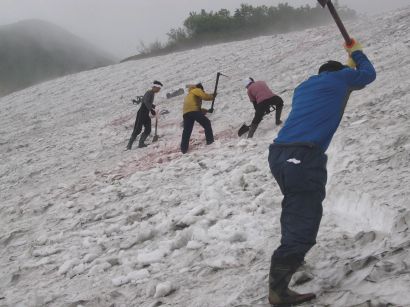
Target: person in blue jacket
x=297 y=161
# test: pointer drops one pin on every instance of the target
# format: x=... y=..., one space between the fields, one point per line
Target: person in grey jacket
x=143 y=118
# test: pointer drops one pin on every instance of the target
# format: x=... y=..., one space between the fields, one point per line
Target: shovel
x=156 y=137
x=337 y=19
x=245 y=128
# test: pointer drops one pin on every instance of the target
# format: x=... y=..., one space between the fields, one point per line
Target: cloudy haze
x=118 y=26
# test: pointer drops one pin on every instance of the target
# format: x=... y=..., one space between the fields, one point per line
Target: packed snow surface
x=85 y=223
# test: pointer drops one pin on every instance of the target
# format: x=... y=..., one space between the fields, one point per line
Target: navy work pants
x=189 y=120
x=300 y=171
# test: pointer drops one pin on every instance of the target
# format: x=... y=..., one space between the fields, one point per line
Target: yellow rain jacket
x=193 y=101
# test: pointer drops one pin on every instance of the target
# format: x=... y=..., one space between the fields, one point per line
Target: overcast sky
x=117 y=26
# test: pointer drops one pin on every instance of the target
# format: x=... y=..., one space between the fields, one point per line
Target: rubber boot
x=130 y=142
x=252 y=129
x=279 y=293
x=141 y=143
x=278 y=114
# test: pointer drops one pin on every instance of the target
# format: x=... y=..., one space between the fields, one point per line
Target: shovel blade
x=323 y=2
x=155 y=138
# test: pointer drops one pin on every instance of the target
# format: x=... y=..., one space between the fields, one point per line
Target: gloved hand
x=351 y=63
x=154 y=106
x=153 y=112
x=354 y=46
x=210 y=111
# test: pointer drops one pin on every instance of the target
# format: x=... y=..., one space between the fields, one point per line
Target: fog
x=117 y=26
x=34 y=51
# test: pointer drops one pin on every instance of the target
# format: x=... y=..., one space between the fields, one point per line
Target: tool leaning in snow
x=211 y=110
x=156 y=137
x=175 y=93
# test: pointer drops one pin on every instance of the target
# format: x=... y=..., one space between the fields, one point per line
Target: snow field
x=83 y=222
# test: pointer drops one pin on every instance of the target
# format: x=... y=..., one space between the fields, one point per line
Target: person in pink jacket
x=263 y=99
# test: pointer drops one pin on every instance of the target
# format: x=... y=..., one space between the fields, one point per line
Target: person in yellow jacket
x=193 y=112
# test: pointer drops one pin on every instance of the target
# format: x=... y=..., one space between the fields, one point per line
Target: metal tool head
x=323 y=2
x=221 y=74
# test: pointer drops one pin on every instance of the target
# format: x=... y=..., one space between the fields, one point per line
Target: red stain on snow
x=157 y=154
x=121 y=120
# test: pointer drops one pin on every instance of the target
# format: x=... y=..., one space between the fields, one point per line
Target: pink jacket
x=259 y=91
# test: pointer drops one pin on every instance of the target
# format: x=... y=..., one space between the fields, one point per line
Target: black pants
x=189 y=121
x=142 y=120
x=263 y=108
x=301 y=174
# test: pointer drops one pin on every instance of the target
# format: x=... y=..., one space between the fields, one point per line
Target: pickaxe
x=337 y=19
x=211 y=110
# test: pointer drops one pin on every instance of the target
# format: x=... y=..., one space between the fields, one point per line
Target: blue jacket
x=319 y=102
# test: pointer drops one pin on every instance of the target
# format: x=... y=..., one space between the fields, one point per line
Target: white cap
x=193 y=84
x=247 y=81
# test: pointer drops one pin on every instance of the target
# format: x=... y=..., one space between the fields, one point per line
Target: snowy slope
x=83 y=222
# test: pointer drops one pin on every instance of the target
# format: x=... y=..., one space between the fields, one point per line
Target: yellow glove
x=351 y=63
x=354 y=46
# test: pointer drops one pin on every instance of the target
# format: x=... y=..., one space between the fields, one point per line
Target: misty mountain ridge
x=32 y=51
